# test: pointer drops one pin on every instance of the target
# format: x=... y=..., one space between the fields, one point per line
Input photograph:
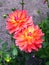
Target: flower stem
x=22 y=3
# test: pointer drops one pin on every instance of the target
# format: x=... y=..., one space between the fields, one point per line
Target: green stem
x=22 y=4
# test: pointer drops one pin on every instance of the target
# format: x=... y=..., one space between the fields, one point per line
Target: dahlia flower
x=29 y=39
x=17 y=20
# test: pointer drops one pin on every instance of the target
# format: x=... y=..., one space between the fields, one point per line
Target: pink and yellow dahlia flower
x=17 y=20
x=29 y=39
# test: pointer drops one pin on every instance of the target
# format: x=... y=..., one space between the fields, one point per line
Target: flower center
x=16 y=18
x=29 y=34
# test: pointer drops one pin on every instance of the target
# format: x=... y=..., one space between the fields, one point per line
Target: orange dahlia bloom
x=17 y=20
x=29 y=38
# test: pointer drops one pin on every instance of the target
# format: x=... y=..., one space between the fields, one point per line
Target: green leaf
x=7 y=57
x=14 y=52
x=43 y=56
x=42 y=53
x=12 y=46
x=47 y=63
x=0 y=59
x=4 y=45
x=0 y=63
x=47 y=31
x=1 y=52
x=45 y=44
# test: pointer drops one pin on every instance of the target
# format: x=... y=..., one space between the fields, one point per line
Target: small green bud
x=13 y=9
x=22 y=3
x=5 y=15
